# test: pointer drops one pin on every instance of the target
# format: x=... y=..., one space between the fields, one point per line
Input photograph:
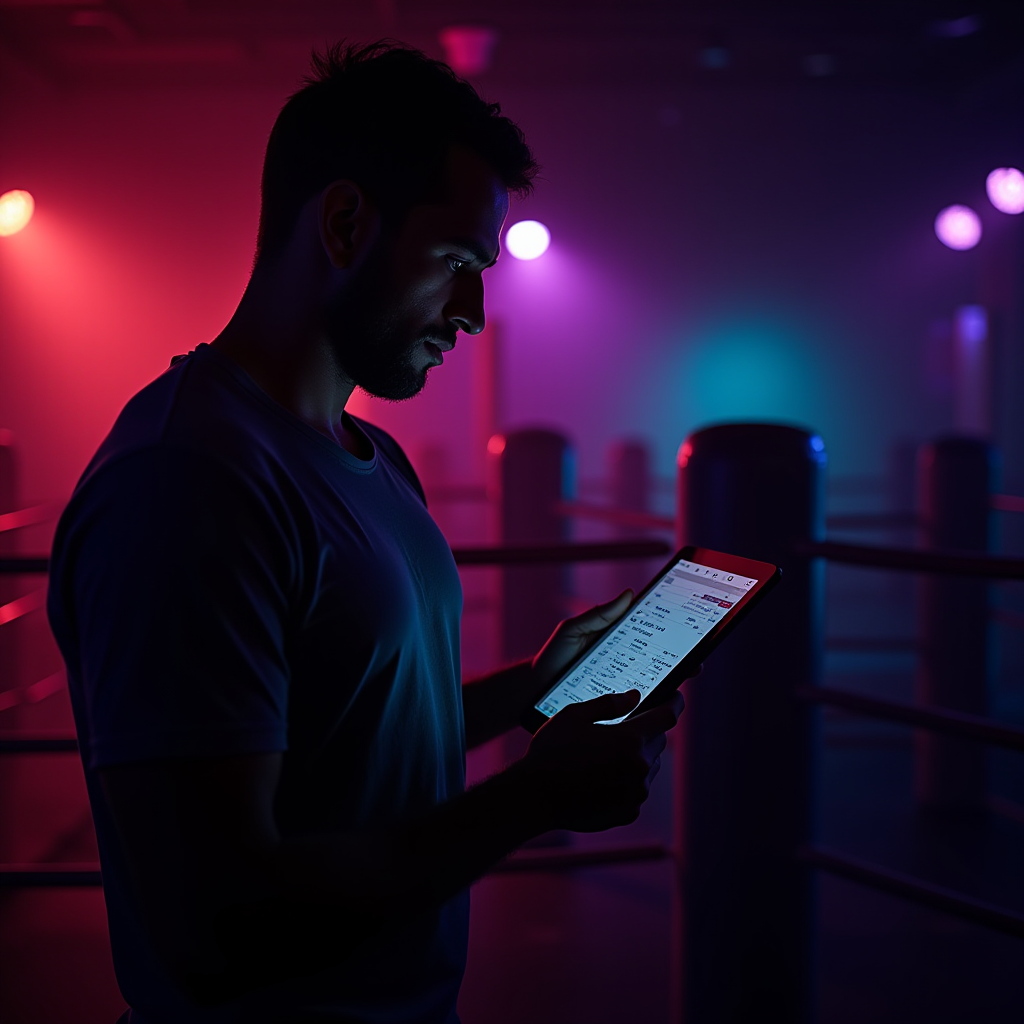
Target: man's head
x=384 y=116
x=407 y=173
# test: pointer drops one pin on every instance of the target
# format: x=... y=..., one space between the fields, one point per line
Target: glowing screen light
x=16 y=209
x=1005 y=187
x=527 y=240
x=958 y=227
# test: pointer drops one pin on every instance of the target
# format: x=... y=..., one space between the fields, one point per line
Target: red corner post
x=745 y=761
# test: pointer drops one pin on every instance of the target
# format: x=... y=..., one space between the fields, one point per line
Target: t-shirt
x=228 y=580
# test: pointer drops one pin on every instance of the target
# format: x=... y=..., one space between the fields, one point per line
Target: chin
x=398 y=390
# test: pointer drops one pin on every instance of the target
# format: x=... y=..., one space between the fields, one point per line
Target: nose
x=465 y=308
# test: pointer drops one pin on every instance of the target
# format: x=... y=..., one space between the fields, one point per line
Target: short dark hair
x=385 y=116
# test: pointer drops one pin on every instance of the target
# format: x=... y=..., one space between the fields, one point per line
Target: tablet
x=665 y=634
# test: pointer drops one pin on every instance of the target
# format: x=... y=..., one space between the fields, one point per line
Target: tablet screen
x=657 y=633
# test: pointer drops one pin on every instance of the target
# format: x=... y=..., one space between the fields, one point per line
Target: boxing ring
x=745 y=753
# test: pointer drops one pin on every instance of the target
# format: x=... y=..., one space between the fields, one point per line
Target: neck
x=273 y=337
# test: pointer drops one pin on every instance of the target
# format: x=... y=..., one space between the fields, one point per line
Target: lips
x=441 y=344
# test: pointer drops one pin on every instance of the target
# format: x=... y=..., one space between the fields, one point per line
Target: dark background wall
x=725 y=246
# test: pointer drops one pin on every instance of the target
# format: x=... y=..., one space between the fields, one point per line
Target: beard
x=375 y=343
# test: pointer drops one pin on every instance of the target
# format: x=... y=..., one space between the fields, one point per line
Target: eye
x=454 y=263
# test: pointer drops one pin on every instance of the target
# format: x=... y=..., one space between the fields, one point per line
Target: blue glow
x=817 y=443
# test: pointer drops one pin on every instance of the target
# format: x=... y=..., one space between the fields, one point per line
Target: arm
x=495 y=703
x=233 y=905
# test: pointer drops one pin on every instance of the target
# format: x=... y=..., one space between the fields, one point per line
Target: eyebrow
x=479 y=253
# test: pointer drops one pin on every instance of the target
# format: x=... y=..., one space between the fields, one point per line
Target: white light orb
x=527 y=239
x=1005 y=187
x=16 y=209
x=958 y=227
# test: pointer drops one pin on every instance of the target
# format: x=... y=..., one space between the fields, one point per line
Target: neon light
x=16 y=208
x=958 y=227
x=496 y=445
x=1005 y=188
x=527 y=239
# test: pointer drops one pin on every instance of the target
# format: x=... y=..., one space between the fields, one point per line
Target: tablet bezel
x=766 y=574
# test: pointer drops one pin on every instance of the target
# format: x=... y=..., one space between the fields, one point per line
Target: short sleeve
x=175 y=580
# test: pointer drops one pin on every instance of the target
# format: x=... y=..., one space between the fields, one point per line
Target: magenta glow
x=1005 y=187
x=958 y=227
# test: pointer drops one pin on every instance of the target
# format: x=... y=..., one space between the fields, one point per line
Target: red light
x=16 y=209
x=684 y=454
x=496 y=445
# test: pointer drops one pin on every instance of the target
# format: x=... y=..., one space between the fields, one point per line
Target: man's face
x=421 y=284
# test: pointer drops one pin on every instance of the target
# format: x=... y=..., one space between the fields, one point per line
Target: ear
x=348 y=223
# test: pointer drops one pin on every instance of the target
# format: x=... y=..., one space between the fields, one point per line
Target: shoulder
x=186 y=460
x=391 y=450
x=197 y=419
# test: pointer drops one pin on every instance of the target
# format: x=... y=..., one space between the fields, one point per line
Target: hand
x=573 y=636
x=589 y=777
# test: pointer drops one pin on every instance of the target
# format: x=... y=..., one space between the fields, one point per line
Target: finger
x=655 y=747
x=659 y=719
x=600 y=617
x=608 y=705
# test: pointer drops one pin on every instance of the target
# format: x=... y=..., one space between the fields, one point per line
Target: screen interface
x=654 y=637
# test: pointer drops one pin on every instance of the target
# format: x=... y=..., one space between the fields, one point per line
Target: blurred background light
x=715 y=58
x=958 y=227
x=1005 y=187
x=16 y=209
x=818 y=65
x=468 y=49
x=527 y=239
x=956 y=28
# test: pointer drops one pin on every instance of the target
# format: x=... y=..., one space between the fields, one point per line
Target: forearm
x=495 y=703
x=305 y=903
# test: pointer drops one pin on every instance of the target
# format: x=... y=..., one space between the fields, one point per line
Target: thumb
x=600 y=617
x=610 y=705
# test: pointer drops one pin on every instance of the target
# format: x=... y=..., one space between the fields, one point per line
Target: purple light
x=527 y=239
x=958 y=227
x=1005 y=187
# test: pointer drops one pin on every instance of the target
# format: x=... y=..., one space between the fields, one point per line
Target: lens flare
x=1005 y=187
x=16 y=209
x=527 y=240
x=958 y=227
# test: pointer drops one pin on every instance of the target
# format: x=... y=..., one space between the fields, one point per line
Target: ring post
x=10 y=667
x=956 y=476
x=745 y=770
x=9 y=661
x=535 y=474
x=629 y=480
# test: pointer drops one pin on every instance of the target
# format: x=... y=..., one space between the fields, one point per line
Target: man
x=261 y=621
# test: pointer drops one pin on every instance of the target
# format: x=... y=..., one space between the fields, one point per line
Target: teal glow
x=751 y=372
